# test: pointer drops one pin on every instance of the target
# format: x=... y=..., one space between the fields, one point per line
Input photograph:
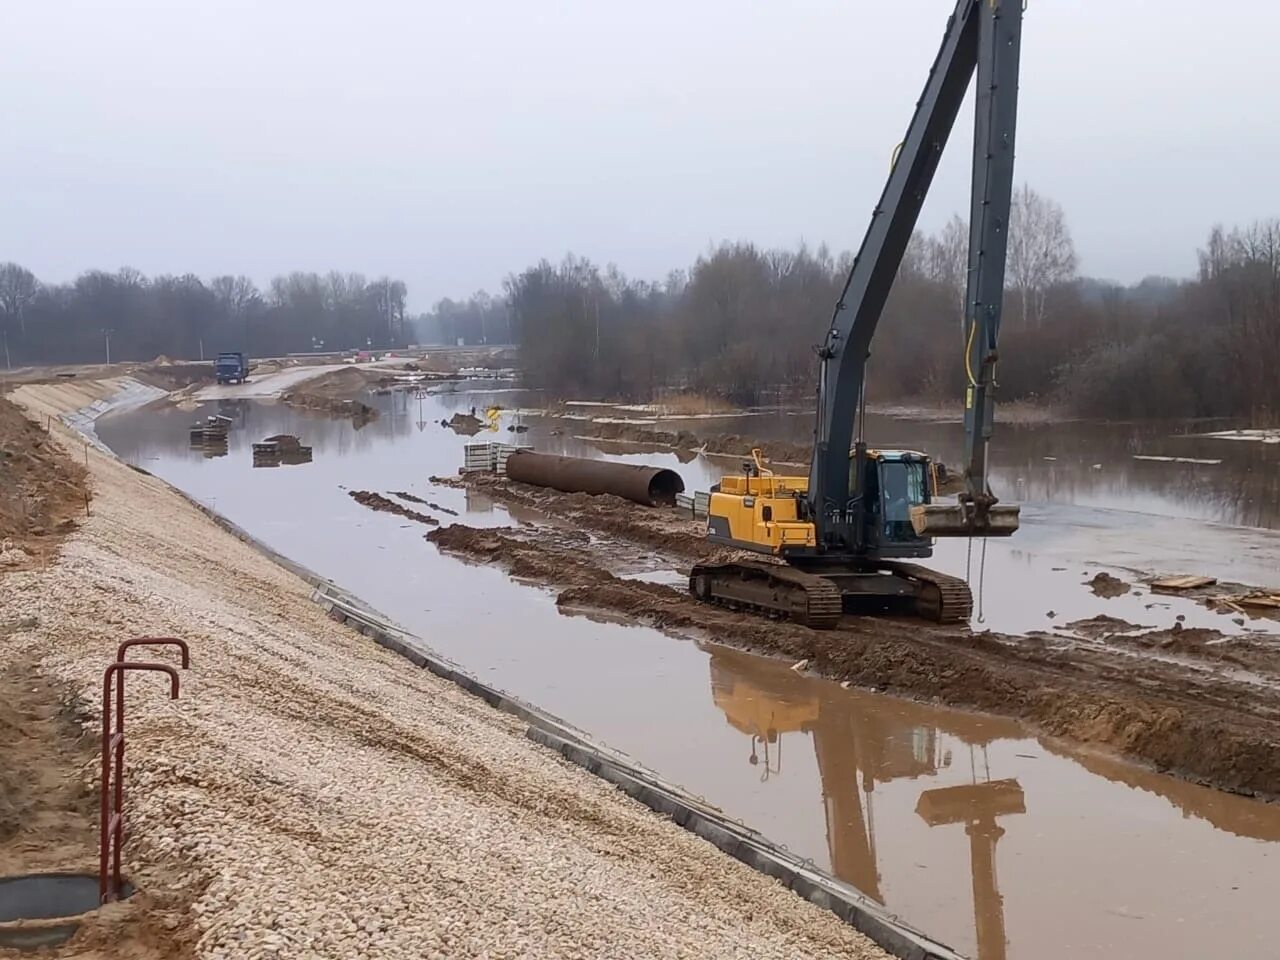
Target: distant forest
x=126 y=316
x=740 y=323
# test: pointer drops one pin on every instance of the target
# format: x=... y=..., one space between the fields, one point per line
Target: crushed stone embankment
x=310 y=795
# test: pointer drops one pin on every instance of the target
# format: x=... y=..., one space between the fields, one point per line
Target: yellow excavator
x=847 y=530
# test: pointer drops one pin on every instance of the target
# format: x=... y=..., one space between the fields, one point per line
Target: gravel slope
x=312 y=795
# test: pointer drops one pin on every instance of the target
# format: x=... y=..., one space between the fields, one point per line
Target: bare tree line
x=741 y=323
x=126 y=316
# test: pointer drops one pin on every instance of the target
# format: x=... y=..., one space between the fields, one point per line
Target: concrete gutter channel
x=689 y=811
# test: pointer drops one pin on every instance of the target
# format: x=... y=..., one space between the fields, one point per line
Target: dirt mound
x=335 y=394
x=42 y=490
x=662 y=528
x=1107 y=586
x=1101 y=625
x=464 y=423
x=376 y=501
x=174 y=374
x=358 y=413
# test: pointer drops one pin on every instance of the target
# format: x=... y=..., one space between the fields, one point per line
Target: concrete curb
x=690 y=812
x=133 y=393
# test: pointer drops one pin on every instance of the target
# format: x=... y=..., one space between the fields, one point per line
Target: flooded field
x=963 y=824
x=1169 y=469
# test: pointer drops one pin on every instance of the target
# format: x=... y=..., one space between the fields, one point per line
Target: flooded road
x=991 y=840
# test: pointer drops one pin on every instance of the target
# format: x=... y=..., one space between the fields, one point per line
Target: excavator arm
x=981 y=35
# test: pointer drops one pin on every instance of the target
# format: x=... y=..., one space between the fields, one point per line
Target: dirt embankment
x=43 y=491
x=1184 y=716
x=48 y=813
x=335 y=394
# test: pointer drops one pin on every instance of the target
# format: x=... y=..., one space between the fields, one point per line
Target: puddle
x=995 y=842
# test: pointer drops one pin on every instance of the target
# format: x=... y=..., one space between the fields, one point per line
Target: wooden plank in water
x=1183 y=582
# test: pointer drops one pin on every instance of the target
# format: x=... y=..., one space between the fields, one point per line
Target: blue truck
x=232 y=368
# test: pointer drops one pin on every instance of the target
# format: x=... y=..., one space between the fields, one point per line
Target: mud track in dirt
x=664 y=530
x=376 y=501
x=1191 y=703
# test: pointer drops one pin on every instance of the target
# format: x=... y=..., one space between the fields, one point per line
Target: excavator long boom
x=981 y=35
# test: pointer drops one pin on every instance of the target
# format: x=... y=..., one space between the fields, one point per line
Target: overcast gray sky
x=448 y=143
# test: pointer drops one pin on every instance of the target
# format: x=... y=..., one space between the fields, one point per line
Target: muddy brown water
x=994 y=841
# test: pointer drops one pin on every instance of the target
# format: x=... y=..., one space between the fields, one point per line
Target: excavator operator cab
x=896 y=481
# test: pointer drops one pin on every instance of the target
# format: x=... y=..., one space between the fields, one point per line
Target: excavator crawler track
x=811 y=599
x=940 y=596
x=771 y=588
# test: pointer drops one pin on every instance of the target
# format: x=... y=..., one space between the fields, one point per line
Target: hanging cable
x=968 y=351
x=982 y=580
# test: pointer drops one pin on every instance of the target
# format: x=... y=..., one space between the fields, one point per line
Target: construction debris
x=464 y=423
x=1106 y=586
x=1200 y=460
x=210 y=435
x=1258 y=599
x=283 y=448
x=1183 y=582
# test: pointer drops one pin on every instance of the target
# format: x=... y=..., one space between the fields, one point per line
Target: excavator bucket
x=958 y=520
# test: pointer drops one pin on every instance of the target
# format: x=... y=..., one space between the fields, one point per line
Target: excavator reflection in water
x=858 y=743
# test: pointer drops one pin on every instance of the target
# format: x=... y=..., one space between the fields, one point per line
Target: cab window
x=903 y=485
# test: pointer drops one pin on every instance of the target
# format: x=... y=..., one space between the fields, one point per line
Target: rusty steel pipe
x=651 y=486
x=111 y=814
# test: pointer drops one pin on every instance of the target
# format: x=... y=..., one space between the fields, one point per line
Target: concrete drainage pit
x=46 y=909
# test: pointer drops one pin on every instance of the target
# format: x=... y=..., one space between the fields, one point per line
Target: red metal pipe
x=156 y=642
x=111 y=823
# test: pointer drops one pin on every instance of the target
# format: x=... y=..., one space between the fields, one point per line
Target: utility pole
x=107 y=336
x=8 y=365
